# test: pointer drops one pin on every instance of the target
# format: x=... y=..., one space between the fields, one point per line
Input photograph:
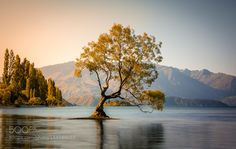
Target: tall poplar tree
x=41 y=85
x=27 y=89
x=58 y=94
x=5 y=76
x=17 y=73
x=26 y=68
x=32 y=75
x=51 y=88
x=11 y=65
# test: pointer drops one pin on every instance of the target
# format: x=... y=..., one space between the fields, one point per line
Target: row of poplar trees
x=23 y=84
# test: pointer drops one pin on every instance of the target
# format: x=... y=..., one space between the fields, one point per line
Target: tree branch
x=131 y=94
x=108 y=78
x=99 y=81
x=138 y=105
x=145 y=111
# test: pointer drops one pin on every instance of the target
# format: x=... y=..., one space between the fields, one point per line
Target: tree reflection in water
x=142 y=136
x=100 y=134
x=138 y=136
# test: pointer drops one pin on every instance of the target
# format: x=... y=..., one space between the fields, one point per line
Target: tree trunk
x=99 y=112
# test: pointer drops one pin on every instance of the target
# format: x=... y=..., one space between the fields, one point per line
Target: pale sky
x=196 y=34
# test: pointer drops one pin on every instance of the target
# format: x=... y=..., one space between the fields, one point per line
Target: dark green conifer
x=5 y=75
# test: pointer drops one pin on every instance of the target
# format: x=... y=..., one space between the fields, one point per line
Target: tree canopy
x=123 y=60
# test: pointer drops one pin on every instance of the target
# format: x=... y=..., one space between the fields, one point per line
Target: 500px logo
x=21 y=129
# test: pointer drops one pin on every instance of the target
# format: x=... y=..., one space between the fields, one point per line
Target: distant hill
x=199 y=84
x=182 y=102
x=218 y=81
x=66 y=103
x=230 y=101
x=81 y=91
x=187 y=84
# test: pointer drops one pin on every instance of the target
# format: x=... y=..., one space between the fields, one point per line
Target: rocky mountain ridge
x=187 y=84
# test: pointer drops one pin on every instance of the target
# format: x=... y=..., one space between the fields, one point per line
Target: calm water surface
x=203 y=128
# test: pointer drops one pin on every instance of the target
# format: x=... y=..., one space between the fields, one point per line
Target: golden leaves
x=155 y=97
x=77 y=73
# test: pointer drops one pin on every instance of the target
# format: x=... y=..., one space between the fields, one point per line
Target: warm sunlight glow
x=51 y=32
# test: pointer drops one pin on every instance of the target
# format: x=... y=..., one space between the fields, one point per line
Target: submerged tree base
x=99 y=115
x=91 y=118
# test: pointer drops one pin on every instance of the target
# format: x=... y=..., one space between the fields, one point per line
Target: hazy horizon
x=195 y=34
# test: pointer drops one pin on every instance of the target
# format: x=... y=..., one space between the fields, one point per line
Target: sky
x=196 y=34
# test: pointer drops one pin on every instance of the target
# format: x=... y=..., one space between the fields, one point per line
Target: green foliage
x=58 y=94
x=8 y=94
x=5 y=95
x=18 y=74
x=23 y=84
x=36 y=101
x=21 y=100
x=52 y=101
x=27 y=89
x=122 y=57
x=42 y=87
x=33 y=93
x=5 y=76
x=32 y=75
x=51 y=88
x=54 y=96
x=11 y=65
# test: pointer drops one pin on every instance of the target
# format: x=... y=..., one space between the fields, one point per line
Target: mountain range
x=174 y=82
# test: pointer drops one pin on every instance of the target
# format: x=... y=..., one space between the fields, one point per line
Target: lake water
x=195 y=128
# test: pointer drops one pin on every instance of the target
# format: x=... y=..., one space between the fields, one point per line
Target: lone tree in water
x=123 y=63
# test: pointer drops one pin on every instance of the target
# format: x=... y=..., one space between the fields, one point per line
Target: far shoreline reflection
x=25 y=132
x=42 y=132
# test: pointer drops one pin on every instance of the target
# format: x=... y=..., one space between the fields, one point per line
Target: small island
x=117 y=103
x=24 y=85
